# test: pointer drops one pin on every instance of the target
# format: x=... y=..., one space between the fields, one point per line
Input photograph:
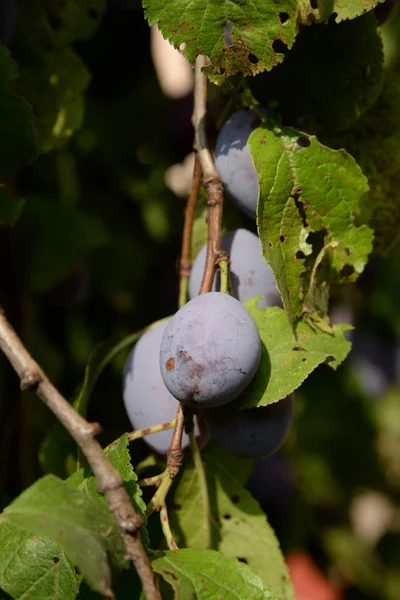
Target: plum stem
x=174 y=462
x=211 y=179
x=109 y=480
x=185 y=262
x=158 y=500
x=225 y=280
x=139 y=433
x=172 y=545
x=201 y=474
x=149 y=481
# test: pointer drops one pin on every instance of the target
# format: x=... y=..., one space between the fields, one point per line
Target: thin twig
x=149 y=481
x=172 y=545
x=174 y=462
x=185 y=263
x=109 y=480
x=224 y=276
x=175 y=454
x=211 y=179
x=140 y=433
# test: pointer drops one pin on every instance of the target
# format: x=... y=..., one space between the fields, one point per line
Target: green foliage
x=10 y=208
x=53 y=76
x=247 y=46
x=34 y=568
x=239 y=528
x=202 y=574
x=347 y=9
x=287 y=360
x=82 y=526
x=56 y=236
x=375 y=145
x=307 y=188
x=314 y=202
x=348 y=82
x=118 y=455
x=18 y=145
x=242 y=39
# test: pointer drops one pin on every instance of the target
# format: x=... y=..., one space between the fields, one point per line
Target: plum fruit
x=147 y=400
x=254 y=432
x=234 y=163
x=210 y=351
x=250 y=274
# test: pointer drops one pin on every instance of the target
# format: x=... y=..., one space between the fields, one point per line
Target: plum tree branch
x=185 y=262
x=211 y=179
x=109 y=480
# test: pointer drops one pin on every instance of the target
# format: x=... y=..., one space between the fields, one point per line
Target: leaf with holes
x=82 y=526
x=244 y=37
x=286 y=360
x=34 y=567
x=308 y=201
x=205 y=574
x=239 y=528
x=320 y=10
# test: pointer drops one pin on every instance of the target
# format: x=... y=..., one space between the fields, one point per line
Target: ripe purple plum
x=254 y=432
x=147 y=400
x=234 y=163
x=210 y=351
x=250 y=274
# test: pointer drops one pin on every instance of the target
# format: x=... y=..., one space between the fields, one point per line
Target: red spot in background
x=308 y=580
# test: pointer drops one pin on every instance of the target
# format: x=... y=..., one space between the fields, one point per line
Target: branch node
x=93 y=429
x=30 y=380
x=222 y=255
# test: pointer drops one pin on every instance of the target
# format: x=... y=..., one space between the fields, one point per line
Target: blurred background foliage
x=94 y=254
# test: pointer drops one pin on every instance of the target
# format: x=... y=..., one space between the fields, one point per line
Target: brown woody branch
x=211 y=179
x=185 y=262
x=109 y=481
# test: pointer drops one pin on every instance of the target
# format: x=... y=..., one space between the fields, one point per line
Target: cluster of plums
x=207 y=354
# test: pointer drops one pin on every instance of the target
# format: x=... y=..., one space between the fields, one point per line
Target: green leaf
x=375 y=143
x=205 y=574
x=34 y=568
x=55 y=237
x=286 y=360
x=342 y=9
x=74 y=20
x=307 y=188
x=55 y=89
x=239 y=526
x=10 y=207
x=118 y=455
x=81 y=525
x=17 y=134
x=345 y=90
x=237 y=37
x=242 y=37
x=53 y=76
